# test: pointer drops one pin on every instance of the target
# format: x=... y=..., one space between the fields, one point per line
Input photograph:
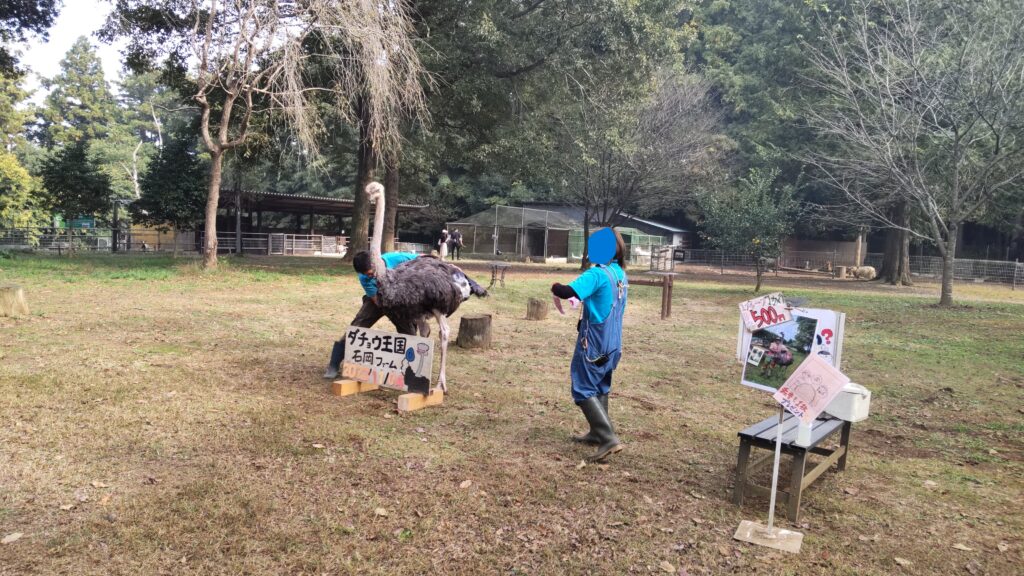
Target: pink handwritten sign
x=768 y=310
x=810 y=388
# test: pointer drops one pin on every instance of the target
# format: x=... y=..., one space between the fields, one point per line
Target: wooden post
x=12 y=301
x=536 y=309
x=475 y=331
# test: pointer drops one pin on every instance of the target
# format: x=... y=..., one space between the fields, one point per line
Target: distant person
x=442 y=244
x=455 y=244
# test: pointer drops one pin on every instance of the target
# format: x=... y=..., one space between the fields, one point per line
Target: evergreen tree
x=173 y=188
x=75 y=186
x=80 y=104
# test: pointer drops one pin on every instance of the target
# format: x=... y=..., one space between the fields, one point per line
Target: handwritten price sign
x=768 y=310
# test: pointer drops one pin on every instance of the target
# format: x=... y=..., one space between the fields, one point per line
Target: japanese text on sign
x=811 y=387
x=389 y=360
x=767 y=310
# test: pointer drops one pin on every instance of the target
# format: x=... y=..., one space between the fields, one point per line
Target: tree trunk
x=584 y=260
x=12 y=301
x=357 y=241
x=896 y=261
x=760 y=273
x=948 y=258
x=391 y=182
x=475 y=331
x=858 y=259
x=212 y=198
x=536 y=309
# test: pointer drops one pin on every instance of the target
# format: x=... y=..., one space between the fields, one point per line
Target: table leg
x=741 y=472
x=844 y=445
x=796 y=483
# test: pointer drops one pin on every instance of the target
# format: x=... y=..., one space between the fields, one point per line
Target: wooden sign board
x=388 y=360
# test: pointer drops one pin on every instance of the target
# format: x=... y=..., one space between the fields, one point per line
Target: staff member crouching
x=369 y=313
x=603 y=289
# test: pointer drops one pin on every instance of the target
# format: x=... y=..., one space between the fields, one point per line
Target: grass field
x=157 y=419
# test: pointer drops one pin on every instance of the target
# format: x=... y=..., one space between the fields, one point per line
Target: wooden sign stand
x=406 y=402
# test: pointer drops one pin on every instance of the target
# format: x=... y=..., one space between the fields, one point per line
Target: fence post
x=722 y=260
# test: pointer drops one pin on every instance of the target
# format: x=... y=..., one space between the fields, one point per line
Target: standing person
x=603 y=289
x=442 y=244
x=456 y=244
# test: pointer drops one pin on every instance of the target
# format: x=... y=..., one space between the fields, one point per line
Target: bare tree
x=249 y=57
x=617 y=160
x=924 y=101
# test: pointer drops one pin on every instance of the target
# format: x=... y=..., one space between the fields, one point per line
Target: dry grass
x=181 y=416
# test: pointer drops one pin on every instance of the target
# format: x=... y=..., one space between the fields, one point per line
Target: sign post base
x=415 y=401
x=778 y=538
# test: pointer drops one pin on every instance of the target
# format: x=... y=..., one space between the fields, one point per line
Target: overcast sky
x=76 y=18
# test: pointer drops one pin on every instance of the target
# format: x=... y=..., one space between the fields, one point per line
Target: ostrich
x=414 y=291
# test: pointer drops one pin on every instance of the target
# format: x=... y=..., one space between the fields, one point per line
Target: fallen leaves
x=667 y=567
x=98 y=484
x=902 y=561
x=466 y=484
x=874 y=538
x=851 y=491
x=11 y=538
x=380 y=512
x=965 y=548
x=1002 y=546
x=974 y=567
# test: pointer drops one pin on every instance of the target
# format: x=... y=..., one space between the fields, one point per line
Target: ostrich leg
x=443 y=324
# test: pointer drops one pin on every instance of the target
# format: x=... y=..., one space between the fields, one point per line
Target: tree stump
x=536 y=309
x=475 y=331
x=12 y=301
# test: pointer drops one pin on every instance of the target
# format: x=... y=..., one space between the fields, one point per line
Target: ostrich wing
x=420 y=286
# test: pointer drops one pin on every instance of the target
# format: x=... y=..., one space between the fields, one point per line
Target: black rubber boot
x=590 y=437
x=601 y=427
x=337 y=355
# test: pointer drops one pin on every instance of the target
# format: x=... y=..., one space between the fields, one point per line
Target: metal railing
x=63 y=240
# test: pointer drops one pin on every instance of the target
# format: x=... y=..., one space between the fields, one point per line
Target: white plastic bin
x=851 y=404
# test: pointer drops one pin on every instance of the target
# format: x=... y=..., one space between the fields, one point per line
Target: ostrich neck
x=378 y=232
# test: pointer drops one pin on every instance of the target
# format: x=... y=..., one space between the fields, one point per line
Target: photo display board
x=389 y=360
x=771 y=354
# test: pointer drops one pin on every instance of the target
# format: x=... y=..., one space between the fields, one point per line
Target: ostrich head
x=375 y=190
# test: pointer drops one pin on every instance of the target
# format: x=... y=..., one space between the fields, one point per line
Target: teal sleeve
x=369 y=285
x=587 y=283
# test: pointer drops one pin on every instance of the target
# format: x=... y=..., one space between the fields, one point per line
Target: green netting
x=639 y=244
x=509 y=217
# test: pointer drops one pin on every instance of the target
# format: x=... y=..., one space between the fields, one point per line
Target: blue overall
x=598 y=335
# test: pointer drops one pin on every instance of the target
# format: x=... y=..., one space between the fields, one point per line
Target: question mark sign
x=827 y=333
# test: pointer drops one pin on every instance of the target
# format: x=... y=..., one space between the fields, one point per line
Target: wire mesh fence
x=964 y=270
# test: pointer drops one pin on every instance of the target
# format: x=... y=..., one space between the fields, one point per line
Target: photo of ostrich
x=776 y=351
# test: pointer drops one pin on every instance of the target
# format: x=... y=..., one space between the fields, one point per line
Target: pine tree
x=80 y=104
x=75 y=186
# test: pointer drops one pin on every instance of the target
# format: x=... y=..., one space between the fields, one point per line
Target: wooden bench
x=495 y=267
x=665 y=282
x=762 y=435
